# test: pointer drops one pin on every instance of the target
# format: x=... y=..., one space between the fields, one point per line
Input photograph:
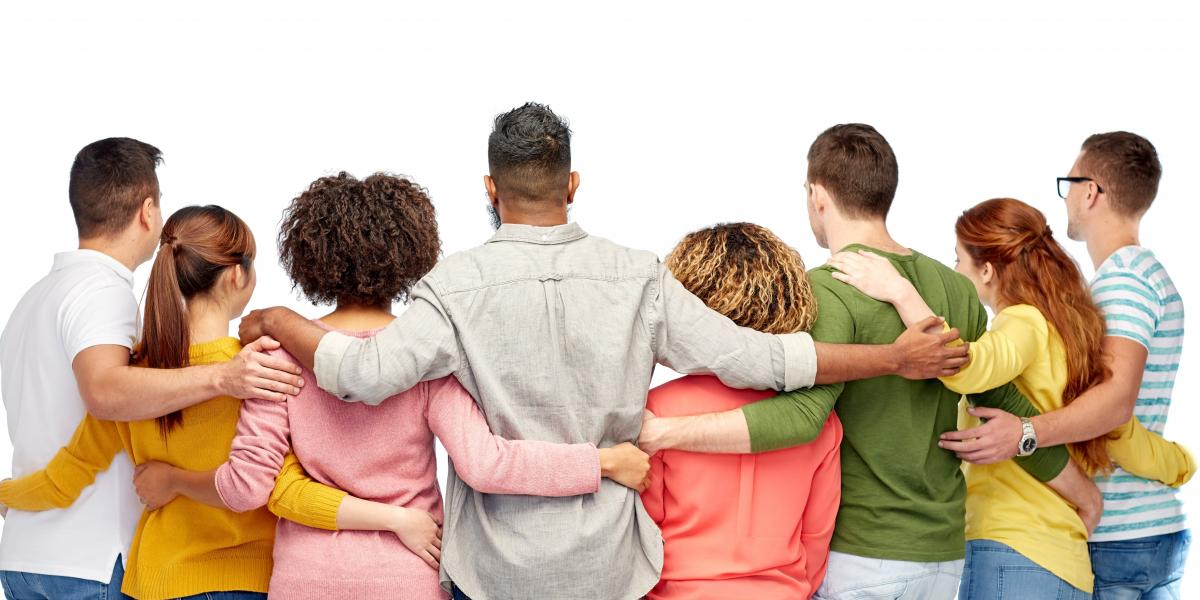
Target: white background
x=684 y=114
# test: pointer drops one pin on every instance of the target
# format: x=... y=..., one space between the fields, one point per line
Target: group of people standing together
x=853 y=431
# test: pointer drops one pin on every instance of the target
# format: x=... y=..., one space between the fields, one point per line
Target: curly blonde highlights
x=746 y=273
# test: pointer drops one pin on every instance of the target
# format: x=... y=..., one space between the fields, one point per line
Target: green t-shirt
x=902 y=495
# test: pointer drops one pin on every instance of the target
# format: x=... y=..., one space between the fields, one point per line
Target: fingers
x=930 y=322
x=435 y=552
x=961 y=447
x=948 y=336
x=270 y=385
x=964 y=434
x=139 y=468
x=986 y=412
x=277 y=364
x=428 y=558
x=437 y=541
x=262 y=344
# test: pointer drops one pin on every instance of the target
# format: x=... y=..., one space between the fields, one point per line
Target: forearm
x=365 y=515
x=839 y=363
x=299 y=498
x=1096 y=413
x=912 y=307
x=718 y=433
x=200 y=486
x=37 y=492
x=135 y=393
x=1074 y=486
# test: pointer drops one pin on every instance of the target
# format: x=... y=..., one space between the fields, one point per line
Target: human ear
x=572 y=185
x=489 y=184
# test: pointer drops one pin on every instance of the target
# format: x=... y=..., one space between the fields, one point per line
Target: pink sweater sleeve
x=246 y=480
x=493 y=465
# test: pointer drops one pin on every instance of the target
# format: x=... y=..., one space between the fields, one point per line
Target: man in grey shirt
x=555 y=333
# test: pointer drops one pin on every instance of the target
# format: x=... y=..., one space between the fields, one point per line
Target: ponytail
x=198 y=244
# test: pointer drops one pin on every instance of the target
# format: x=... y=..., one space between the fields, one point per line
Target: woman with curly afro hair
x=742 y=526
x=361 y=246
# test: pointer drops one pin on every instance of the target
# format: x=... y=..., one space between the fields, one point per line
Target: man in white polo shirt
x=66 y=349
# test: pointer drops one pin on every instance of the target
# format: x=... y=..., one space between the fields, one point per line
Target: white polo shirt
x=86 y=300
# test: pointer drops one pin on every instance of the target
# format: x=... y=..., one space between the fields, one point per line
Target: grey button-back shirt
x=555 y=334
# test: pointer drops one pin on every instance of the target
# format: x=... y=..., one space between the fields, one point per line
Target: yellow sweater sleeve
x=1002 y=353
x=300 y=498
x=91 y=450
x=1146 y=454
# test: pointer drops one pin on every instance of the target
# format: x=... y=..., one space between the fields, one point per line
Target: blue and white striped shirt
x=1140 y=303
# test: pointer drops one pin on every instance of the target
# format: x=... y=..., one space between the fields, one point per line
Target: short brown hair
x=1126 y=167
x=359 y=242
x=856 y=164
x=744 y=272
x=110 y=179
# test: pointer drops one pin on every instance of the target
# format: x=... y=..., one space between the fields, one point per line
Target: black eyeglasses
x=1064 y=185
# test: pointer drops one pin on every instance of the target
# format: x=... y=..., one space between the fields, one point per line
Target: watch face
x=1028 y=445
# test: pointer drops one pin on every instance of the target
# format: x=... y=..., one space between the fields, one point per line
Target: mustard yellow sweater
x=1006 y=504
x=184 y=548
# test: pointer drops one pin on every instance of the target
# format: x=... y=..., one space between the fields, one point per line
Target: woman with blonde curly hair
x=742 y=526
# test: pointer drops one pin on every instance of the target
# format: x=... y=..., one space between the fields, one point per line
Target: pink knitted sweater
x=383 y=453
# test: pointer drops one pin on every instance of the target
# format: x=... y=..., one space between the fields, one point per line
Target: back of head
x=746 y=273
x=1033 y=268
x=1125 y=165
x=856 y=165
x=198 y=244
x=363 y=243
x=529 y=154
x=110 y=179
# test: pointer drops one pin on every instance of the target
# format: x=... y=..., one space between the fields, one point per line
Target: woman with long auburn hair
x=201 y=279
x=1046 y=339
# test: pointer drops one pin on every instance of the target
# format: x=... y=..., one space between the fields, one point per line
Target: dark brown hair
x=1032 y=268
x=856 y=164
x=198 y=244
x=744 y=272
x=1126 y=167
x=359 y=242
x=110 y=179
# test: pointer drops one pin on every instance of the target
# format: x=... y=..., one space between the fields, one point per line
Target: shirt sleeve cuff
x=327 y=362
x=800 y=361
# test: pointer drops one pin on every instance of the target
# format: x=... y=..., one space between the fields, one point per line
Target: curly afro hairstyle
x=359 y=242
x=746 y=273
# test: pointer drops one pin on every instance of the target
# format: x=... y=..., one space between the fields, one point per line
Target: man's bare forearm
x=137 y=393
x=717 y=433
x=1096 y=413
x=839 y=363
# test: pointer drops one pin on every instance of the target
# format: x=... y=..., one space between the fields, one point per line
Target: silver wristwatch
x=1028 y=441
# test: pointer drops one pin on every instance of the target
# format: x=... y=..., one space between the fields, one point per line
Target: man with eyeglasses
x=1140 y=546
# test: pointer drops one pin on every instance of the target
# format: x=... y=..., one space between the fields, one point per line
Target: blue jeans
x=1148 y=568
x=995 y=571
x=33 y=586
x=458 y=595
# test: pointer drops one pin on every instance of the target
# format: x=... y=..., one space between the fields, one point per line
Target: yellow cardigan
x=1007 y=505
x=184 y=548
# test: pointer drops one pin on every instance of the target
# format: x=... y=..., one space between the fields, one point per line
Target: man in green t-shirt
x=900 y=524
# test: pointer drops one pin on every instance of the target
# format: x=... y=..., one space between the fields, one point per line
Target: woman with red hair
x=1045 y=338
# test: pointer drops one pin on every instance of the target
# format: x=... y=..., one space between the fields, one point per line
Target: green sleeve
x=1046 y=463
x=796 y=418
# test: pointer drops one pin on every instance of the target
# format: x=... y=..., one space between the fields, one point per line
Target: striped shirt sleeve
x=1130 y=304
